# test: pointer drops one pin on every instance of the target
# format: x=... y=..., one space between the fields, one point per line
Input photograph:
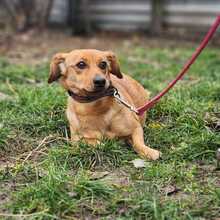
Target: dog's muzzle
x=92 y=96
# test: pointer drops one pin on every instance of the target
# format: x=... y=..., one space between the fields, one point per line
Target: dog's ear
x=114 y=64
x=57 y=67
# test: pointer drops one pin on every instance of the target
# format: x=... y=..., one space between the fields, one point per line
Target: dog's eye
x=103 y=65
x=81 y=65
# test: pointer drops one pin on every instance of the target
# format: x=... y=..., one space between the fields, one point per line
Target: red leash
x=153 y=101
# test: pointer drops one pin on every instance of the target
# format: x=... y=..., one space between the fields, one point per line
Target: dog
x=88 y=75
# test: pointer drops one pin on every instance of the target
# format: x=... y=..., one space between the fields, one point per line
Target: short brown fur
x=104 y=117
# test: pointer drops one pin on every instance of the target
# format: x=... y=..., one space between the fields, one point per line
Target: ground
x=42 y=176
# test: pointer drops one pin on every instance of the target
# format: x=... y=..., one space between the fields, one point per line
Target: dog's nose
x=99 y=81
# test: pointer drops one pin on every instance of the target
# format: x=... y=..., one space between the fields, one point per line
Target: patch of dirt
x=7 y=186
x=5 y=191
x=98 y=175
x=33 y=48
x=213 y=120
x=170 y=190
x=207 y=173
x=118 y=178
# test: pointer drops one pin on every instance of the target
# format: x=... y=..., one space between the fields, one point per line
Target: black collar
x=92 y=96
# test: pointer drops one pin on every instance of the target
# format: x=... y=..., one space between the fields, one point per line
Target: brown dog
x=87 y=75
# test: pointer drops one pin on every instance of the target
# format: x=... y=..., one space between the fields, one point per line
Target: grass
x=48 y=178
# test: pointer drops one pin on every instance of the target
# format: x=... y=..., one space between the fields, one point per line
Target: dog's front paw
x=151 y=154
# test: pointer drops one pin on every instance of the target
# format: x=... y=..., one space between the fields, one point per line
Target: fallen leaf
x=139 y=163
x=72 y=194
x=117 y=178
x=98 y=175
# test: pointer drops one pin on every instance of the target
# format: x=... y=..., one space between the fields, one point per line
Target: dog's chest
x=110 y=125
x=101 y=122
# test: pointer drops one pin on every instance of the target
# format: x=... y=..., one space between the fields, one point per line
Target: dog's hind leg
x=139 y=146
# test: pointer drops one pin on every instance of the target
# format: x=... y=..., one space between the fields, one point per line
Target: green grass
x=48 y=178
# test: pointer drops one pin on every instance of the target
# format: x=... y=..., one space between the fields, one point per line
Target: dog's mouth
x=85 y=96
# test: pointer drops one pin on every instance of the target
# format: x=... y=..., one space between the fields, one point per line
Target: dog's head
x=84 y=70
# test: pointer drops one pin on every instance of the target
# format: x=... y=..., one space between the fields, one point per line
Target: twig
x=37 y=148
x=43 y=142
x=27 y=215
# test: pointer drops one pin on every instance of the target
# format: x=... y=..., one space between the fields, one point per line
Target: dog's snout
x=99 y=81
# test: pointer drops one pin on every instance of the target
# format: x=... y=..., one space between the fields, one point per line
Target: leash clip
x=121 y=101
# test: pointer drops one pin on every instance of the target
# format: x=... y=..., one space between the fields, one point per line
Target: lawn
x=42 y=176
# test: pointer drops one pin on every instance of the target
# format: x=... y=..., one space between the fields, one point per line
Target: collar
x=92 y=96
